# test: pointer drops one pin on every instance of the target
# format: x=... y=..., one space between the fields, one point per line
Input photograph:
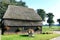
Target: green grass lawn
x=53 y=28
x=36 y=37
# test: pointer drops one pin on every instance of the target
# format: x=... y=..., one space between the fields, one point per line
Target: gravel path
x=57 y=32
x=57 y=38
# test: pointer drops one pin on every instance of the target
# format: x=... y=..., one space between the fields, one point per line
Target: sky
x=52 y=6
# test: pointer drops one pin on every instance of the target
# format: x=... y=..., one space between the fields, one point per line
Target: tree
x=42 y=13
x=21 y=3
x=58 y=20
x=50 y=19
x=12 y=1
x=3 y=7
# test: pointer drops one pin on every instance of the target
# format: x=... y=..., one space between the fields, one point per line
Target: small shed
x=22 y=18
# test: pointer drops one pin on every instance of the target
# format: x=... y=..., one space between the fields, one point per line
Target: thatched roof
x=21 y=23
x=22 y=13
x=21 y=16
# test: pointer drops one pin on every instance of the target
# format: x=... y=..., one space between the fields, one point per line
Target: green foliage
x=42 y=13
x=21 y=3
x=12 y=1
x=50 y=18
x=3 y=7
x=58 y=20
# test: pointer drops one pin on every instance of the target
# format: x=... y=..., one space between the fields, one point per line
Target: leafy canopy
x=50 y=18
x=42 y=13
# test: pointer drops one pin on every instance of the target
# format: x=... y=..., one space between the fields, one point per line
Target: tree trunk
x=49 y=25
x=59 y=23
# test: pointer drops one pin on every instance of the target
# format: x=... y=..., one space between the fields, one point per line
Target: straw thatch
x=21 y=23
x=19 y=12
x=21 y=16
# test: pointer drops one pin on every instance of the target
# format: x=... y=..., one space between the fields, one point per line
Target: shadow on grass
x=24 y=35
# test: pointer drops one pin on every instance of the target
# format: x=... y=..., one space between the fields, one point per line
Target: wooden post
x=3 y=30
x=40 y=29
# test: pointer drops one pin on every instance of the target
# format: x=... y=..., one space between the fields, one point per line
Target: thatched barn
x=22 y=18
